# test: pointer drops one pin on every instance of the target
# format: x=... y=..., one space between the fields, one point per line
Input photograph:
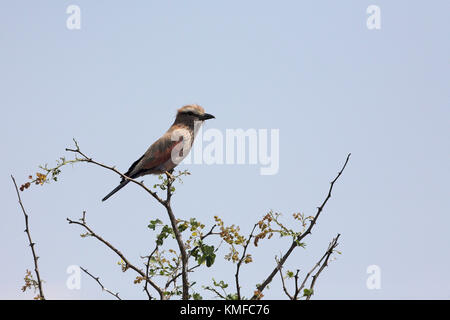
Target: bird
x=170 y=149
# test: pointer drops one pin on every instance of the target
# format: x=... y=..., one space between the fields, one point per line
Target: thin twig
x=325 y=257
x=97 y=279
x=216 y=292
x=295 y=242
x=173 y=275
x=238 y=266
x=282 y=282
x=31 y=243
x=297 y=290
x=147 y=266
x=124 y=259
x=90 y=160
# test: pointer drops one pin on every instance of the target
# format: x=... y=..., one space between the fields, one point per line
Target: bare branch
x=297 y=290
x=147 y=266
x=282 y=282
x=90 y=160
x=295 y=242
x=319 y=209
x=216 y=292
x=128 y=265
x=97 y=279
x=238 y=266
x=325 y=259
x=31 y=243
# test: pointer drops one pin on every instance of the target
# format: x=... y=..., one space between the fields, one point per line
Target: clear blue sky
x=311 y=69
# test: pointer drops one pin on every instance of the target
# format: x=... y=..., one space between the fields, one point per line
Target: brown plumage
x=168 y=151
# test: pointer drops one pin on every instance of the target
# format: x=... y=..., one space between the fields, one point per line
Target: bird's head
x=191 y=113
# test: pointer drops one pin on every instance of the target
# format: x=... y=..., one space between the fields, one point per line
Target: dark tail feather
x=120 y=186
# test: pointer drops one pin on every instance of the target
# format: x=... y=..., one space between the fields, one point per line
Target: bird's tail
x=120 y=186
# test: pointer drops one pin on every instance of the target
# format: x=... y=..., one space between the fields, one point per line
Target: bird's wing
x=158 y=153
x=133 y=166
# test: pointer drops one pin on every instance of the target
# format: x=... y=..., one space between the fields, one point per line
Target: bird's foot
x=169 y=174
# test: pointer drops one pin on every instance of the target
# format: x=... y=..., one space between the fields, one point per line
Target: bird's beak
x=206 y=116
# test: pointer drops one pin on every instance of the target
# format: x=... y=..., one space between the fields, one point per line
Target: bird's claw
x=170 y=175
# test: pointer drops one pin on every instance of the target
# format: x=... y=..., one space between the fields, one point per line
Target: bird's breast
x=184 y=139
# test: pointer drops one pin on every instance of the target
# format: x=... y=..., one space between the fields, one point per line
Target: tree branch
x=216 y=292
x=325 y=257
x=97 y=279
x=90 y=160
x=31 y=243
x=282 y=282
x=297 y=290
x=295 y=242
x=147 y=266
x=181 y=246
x=124 y=259
x=238 y=266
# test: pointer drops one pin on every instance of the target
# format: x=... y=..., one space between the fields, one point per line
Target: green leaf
x=197 y=296
x=308 y=292
x=154 y=223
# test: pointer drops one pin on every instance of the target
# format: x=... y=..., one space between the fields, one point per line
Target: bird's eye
x=190 y=113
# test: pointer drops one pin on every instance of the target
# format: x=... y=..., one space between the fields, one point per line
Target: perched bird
x=169 y=150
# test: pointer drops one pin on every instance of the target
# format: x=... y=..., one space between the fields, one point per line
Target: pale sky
x=311 y=70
